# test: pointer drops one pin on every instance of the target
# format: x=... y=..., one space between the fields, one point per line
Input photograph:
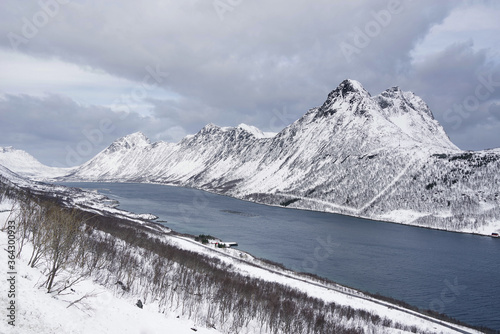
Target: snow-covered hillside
x=100 y=310
x=104 y=300
x=25 y=164
x=383 y=157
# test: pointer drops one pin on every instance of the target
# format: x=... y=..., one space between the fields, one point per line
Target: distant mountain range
x=383 y=157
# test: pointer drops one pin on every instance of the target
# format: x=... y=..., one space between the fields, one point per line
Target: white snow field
x=90 y=309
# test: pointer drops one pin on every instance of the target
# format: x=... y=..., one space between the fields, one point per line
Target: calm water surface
x=457 y=274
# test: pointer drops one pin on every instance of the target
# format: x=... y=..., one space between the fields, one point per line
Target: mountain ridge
x=382 y=157
x=23 y=163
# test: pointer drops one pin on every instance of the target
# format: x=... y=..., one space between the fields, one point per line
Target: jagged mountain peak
x=211 y=128
x=348 y=89
x=214 y=133
x=352 y=97
x=256 y=132
x=351 y=86
x=393 y=89
x=7 y=149
x=136 y=139
x=348 y=93
x=395 y=116
x=395 y=100
x=247 y=127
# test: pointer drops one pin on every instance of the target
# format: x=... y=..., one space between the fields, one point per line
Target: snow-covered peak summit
x=256 y=132
x=348 y=94
x=347 y=89
x=12 y=154
x=136 y=139
x=12 y=157
x=23 y=163
x=351 y=97
x=211 y=129
x=7 y=149
x=351 y=86
x=394 y=100
x=394 y=116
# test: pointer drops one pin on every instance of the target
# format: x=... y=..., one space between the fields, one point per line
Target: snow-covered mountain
x=382 y=157
x=25 y=164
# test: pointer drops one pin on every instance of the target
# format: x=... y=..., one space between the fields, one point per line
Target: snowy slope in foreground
x=100 y=310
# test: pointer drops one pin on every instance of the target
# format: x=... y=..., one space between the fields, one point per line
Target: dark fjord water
x=457 y=274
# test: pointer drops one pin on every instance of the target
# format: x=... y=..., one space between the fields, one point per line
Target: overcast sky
x=76 y=75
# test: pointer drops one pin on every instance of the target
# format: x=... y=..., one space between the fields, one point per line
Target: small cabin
x=220 y=243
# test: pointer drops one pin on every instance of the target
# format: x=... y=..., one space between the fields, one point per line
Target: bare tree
x=64 y=238
x=39 y=234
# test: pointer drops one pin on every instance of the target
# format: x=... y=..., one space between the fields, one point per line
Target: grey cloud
x=263 y=63
x=56 y=126
x=454 y=82
x=494 y=110
x=261 y=52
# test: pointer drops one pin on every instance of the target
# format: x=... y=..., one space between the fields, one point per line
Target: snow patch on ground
x=492 y=226
x=403 y=216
